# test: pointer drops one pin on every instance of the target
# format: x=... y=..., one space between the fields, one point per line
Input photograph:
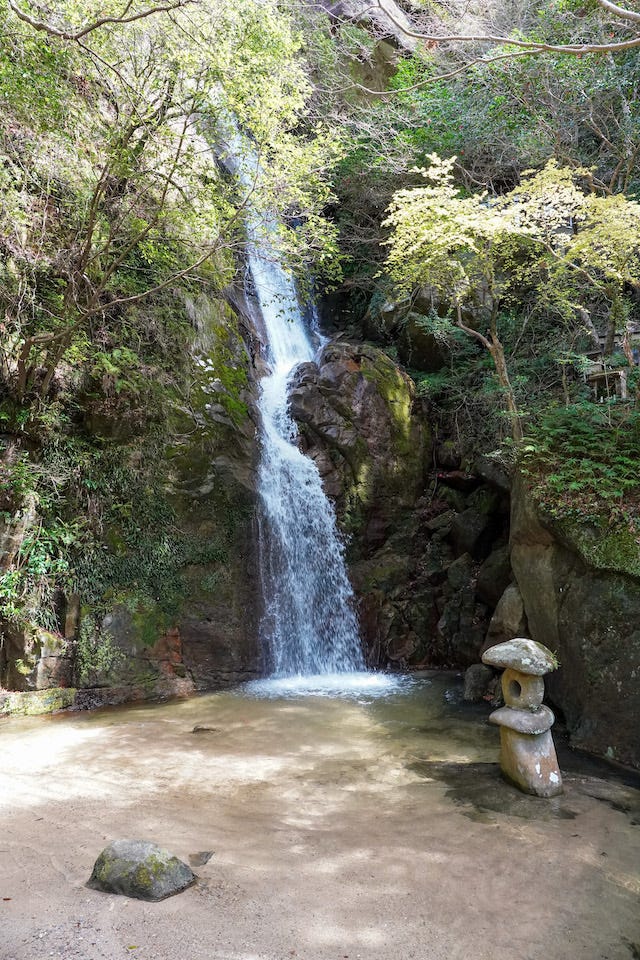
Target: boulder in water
x=139 y=869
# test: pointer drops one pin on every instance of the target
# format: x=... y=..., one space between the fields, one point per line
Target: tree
x=387 y=19
x=121 y=196
x=548 y=241
x=127 y=14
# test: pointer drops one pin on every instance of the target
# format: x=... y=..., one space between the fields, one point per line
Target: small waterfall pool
x=372 y=825
x=348 y=685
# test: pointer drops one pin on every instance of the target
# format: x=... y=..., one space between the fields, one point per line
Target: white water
x=356 y=685
x=309 y=625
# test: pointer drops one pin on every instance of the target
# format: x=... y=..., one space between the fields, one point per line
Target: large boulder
x=509 y=619
x=582 y=604
x=139 y=869
x=34 y=659
x=494 y=576
x=360 y=420
x=418 y=348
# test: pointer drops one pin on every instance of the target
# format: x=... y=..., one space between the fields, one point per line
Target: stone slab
x=527 y=656
x=523 y=721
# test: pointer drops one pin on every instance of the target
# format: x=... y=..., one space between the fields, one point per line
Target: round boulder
x=139 y=869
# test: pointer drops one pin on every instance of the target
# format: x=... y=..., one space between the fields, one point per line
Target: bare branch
x=101 y=22
x=619 y=11
x=441 y=76
x=531 y=46
x=101 y=308
x=518 y=48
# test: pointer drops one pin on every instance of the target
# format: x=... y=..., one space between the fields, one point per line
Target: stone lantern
x=527 y=754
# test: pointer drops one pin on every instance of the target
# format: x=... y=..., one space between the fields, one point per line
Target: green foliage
x=95 y=650
x=539 y=238
x=585 y=461
x=503 y=117
x=31 y=66
x=29 y=588
x=108 y=193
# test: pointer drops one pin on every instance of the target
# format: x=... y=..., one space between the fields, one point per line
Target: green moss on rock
x=139 y=869
x=35 y=702
x=614 y=548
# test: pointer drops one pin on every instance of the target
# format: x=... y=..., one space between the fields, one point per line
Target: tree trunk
x=497 y=352
x=496 y=349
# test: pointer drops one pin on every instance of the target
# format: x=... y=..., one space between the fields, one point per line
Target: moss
x=38 y=702
x=397 y=393
x=143 y=878
x=613 y=548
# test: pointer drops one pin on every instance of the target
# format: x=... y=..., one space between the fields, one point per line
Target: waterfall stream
x=309 y=625
x=309 y=628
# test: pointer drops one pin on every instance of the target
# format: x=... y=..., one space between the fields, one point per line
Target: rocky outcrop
x=34 y=659
x=427 y=568
x=357 y=415
x=588 y=612
x=359 y=420
x=165 y=602
x=509 y=619
x=385 y=17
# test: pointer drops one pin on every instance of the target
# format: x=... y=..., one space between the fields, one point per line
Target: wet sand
x=374 y=827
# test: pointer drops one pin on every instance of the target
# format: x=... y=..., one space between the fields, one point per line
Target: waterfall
x=309 y=625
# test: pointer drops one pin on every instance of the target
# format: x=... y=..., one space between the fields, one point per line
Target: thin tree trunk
x=500 y=363
x=495 y=347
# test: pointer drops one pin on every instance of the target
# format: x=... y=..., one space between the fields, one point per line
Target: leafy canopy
x=538 y=239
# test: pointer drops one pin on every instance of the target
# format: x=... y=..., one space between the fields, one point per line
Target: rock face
x=358 y=419
x=589 y=615
x=138 y=869
x=414 y=560
x=33 y=658
x=508 y=618
x=171 y=607
x=356 y=413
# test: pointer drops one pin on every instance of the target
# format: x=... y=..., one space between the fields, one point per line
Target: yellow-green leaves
x=549 y=229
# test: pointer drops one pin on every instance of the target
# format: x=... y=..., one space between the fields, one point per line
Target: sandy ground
x=339 y=829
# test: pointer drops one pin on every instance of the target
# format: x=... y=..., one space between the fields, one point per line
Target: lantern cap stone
x=524 y=721
x=526 y=656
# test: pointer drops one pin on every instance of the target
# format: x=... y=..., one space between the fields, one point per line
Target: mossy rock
x=610 y=547
x=36 y=702
x=139 y=869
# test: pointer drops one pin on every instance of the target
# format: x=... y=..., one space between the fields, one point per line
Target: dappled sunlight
x=338 y=827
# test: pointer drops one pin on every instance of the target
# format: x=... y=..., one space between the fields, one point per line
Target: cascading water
x=309 y=629
x=309 y=625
